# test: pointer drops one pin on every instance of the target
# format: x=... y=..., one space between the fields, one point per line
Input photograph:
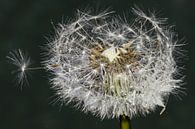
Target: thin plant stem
x=125 y=122
x=35 y=68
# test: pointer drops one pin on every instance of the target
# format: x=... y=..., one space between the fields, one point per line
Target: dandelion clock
x=111 y=68
x=114 y=68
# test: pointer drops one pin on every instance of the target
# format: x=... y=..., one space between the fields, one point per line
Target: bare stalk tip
x=124 y=122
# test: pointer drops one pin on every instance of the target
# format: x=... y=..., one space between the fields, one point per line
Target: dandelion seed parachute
x=111 y=68
x=21 y=60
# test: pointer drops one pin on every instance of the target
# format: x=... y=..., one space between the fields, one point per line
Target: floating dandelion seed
x=111 y=68
x=21 y=61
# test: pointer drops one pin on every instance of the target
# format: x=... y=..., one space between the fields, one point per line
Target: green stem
x=124 y=122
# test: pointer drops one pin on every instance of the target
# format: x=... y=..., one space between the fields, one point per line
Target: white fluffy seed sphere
x=111 y=68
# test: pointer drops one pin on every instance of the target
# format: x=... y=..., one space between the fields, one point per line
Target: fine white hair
x=21 y=60
x=111 y=68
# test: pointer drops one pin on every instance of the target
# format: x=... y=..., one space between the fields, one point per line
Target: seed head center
x=115 y=59
x=111 y=53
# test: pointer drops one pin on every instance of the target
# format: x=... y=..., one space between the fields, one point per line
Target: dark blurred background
x=25 y=24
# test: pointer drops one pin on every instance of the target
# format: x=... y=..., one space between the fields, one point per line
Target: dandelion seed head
x=111 y=68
